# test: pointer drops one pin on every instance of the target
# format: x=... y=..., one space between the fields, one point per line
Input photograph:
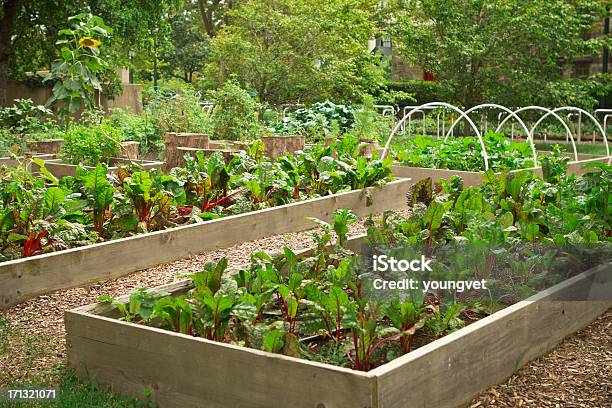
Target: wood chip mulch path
x=577 y=374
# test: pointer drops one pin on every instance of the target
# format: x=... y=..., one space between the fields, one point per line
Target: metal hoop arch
x=575 y=109
x=438 y=104
x=511 y=114
x=548 y=111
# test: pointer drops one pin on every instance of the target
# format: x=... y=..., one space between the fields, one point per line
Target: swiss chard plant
x=465 y=153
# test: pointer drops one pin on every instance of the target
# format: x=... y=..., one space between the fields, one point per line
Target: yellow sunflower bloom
x=89 y=42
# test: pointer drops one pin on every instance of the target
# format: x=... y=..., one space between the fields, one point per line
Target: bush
x=235 y=113
x=10 y=142
x=138 y=128
x=24 y=117
x=322 y=118
x=178 y=110
x=90 y=145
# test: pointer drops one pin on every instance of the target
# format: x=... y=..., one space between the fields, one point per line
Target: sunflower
x=89 y=42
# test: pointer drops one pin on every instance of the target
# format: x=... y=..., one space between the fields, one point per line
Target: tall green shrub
x=235 y=113
x=90 y=145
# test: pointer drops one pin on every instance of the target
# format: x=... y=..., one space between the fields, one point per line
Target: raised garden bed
x=368 y=147
x=228 y=145
x=184 y=371
x=59 y=169
x=182 y=151
x=176 y=140
x=24 y=278
x=437 y=158
x=12 y=162
x=325 y=291
x=276 y=146
x=472 y=178
x=54 y=146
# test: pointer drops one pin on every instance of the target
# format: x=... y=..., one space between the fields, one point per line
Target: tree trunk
x=206 y=13
x=9 y=15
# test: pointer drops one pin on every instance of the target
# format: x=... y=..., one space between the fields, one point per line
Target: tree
x=28 y=29
x=188 y=50
x=7 y=20
x=504 y=51
x=213 y=14
x=298 y=50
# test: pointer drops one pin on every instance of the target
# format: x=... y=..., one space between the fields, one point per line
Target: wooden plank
x=470 y=178
x=59 y=169
x=451 y=371
x=184 y=371
x=473 y=178
x=24 y=278
x=11 y=162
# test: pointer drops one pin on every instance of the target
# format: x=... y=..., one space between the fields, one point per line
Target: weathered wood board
x=27 y=277
x=449 y=372
x=59 y=169
x=473 y=178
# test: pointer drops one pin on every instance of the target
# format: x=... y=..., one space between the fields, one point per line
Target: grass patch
x=24 y=351
x=75 y=394
x=5 y=335
x=584 y=148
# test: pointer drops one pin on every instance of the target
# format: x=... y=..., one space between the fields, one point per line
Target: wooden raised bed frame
x=24 y=278
x=472 y=178
x=185 y=371
x=59 y=169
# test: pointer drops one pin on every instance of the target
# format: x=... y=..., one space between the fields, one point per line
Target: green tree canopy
x=28 y=31
x=505 y=51
x=188 y=49
x=298 y=50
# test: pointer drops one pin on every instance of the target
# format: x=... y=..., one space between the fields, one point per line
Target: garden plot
x=278 y=301
x=24 y=278
x=183 y=371
x=59 y=169
x=151 y=217
x=426 y=157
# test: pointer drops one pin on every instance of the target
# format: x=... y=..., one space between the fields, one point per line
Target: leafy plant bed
x=436 y=158
x=228 y=154
x=184 y=371
x=472 y=178
x=145 y=201
x=319 y=306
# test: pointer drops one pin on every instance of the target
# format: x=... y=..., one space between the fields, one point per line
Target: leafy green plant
x=99 y=192
x=141 y=128
x=177 y=110
x=466 y=153
x=149 y=197
x=235 y=114
x=407 y=316
x=318 y=121
x=90 y=145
